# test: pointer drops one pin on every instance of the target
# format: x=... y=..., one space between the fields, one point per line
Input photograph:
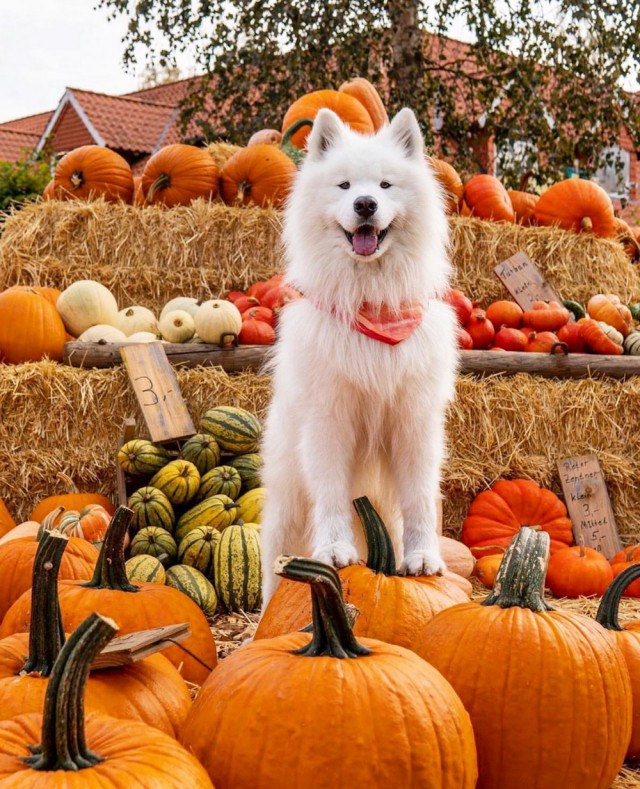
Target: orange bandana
x=383 y=324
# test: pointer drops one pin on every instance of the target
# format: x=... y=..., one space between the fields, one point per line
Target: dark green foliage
x=21 y=181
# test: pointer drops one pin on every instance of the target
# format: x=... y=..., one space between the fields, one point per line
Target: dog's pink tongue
x=365 y=241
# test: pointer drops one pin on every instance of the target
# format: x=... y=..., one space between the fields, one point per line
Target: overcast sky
x=48 y=45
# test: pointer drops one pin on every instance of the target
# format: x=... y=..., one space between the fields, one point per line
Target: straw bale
x=221 y=151
x=149 y=255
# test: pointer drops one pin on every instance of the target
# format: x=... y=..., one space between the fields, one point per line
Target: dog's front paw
x=423 y=563
x=339 y=554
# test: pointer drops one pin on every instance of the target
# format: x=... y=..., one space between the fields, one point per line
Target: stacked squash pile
x=605 y=327
x=196 y=516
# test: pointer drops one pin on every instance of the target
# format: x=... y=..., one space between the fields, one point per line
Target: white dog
x=365 y=362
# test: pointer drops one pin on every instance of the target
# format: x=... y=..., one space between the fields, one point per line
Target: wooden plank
x=524 y=281
x=158 y=392
x=127 y=434
x=123 y=650
x=588 y=503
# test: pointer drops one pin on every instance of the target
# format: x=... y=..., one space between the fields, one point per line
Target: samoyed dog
x=365 y=363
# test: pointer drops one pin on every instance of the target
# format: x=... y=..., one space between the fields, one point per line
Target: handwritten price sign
x=588 y=503
x=157 y=390
x=523 y=281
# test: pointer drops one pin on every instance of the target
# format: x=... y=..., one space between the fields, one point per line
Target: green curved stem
x=607 y=614
x=46 y=634
x=520 y=579
x=63 y=745
x=332 y=634
x=292 y=151
x=110 y=572
x=381 y=557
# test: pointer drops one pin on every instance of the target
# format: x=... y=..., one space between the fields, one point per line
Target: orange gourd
x=608 y=308
x=93 y=171
x=510 y=340
x=450 y=181
x=497 y=514
x=505 y=313
x=393 y=608
x=571 y=334
x=542 y=342
x=524 y=204
x=178 y=174
x=578 y=571
x=480 y=328
x=322 y=699
x=535 y=681
x=362 y=90
x=618 y=567
x=488 y=199
x=69 y=501
x=59 y=748
x=31 y=328
x=546 y=316
x=259 y=175
x=596 y=339
x=138 y=606
x=486 y=568
x=347 y=108
x=577 y=204
x=90 y=523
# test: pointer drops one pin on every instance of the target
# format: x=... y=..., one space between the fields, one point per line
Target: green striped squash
x=220 y=480
x=236 y=430
x=157 y=542
x=217 y=511
x=251 y=504
x=151 y=508
x=237 y=568
x=196 y=549
x=140 y=457
x=192 y=582
x=145 y=569
x=248 y=466
x=203 y=451
x=179 y=480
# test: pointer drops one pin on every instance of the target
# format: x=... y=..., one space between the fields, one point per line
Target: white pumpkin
x=177 y=326
x=102 y=333
x=142 y=336
x=186 y=303
x=216 y=318
x=611 y=332
x=86 y=303
x=632 y=343
x=135 y=319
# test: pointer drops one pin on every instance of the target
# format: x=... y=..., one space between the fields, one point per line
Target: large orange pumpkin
x=257 y=175
x=523 y=204
x=450 y=181
x=58 y=748
x=92 y=171
x=150 y=690
x=576 y=204
x=178 y=174
x=51 y=294
x=16 y=568
x=347 y=108
x=544 y=689
x=30 y=328
x=138 y=606
x=329 y=710
x=497 y=514
x=488 y=199
x=393 y=608
x=362 y=90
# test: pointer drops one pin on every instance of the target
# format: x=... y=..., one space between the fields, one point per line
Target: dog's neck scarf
x=381 y=323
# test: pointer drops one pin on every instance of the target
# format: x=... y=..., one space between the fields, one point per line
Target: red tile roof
x=34 y=124
x=15 y=145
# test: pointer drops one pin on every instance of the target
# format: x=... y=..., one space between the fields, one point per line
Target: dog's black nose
x=365 y=206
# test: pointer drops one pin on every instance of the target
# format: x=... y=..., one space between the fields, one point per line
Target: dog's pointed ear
x=326 y=132
x=406 y=133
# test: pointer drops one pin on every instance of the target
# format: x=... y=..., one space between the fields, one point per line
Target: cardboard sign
x=128 y=433
x=157 y=390
x=126 y=649
x=588 y=503
x=523 y=281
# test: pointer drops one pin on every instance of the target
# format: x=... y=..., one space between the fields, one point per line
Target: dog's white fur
x=351 y=415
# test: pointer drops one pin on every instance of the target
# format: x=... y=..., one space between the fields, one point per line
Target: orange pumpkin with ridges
x=31 y=327
x=577 y=204
x=450 y=181
x=488 y=199
x=578 y=571
x=178 y=174
x=348 y=109
x=259 y=175
x=524 y=204
x=93 y=171
x=362 y=90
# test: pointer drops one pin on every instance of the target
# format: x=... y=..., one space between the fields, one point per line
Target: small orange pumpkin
x=347 y=108
x=577 y=571
x=257 y=175
x=93 y=171
x=450 y=182
x=90 y=523
x=488 y=199
x=608 y=308
x=486 y=568
x=546 y=316
x=31 y=327
x=178 y=174
x=524 y=204
x=577 y=204
x=505 y=313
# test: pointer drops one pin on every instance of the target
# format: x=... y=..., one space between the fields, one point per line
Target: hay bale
x=221 y=151
x=59 y=419
x=149 y=255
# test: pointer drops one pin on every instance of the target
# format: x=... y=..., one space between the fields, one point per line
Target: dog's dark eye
x=384 y=184
x=344 y=185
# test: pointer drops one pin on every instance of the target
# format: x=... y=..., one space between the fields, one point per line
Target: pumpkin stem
x=381 y=557
x=607 y=614
x=63 y=745
x=110 y=572
x=244 y=190
x=586 y=223
x=46 y=634
x=163 y=181
x=332 y=634
x=76 y=179
x=293 y=152
x=520 y=579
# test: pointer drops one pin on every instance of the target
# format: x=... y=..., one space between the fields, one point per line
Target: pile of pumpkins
x=606 y=326
x=196 y=513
